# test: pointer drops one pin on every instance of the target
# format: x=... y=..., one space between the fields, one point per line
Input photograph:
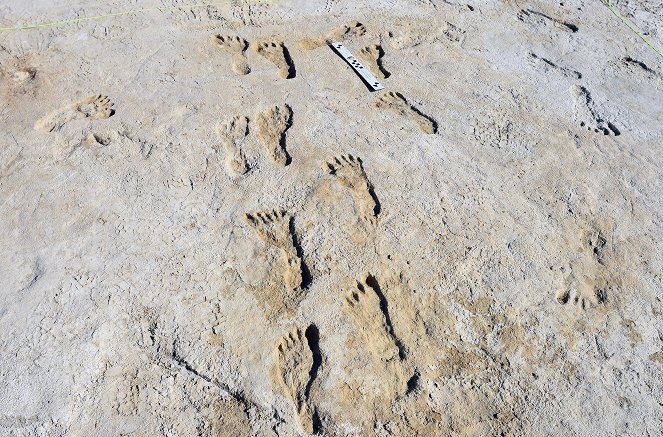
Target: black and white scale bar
x=368 y=78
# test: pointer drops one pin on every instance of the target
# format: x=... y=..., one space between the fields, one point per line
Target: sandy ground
x=210 y=226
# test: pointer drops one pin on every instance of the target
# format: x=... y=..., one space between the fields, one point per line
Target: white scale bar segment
x=366 y=75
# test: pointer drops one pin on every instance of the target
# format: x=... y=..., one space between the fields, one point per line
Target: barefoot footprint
x=587 y=282
x=294 y=361
x=235 y=46
x=232 y=134
x=350 y=174
x=585 y=290
x=539 y=20
x=277 y=54
x=362 y=302
x=338 y=34
x=587 y=115
x=546 y=66
x=583 y=296
x=273 y=227
x=397 y=104
x=94 y=108
x=272 y=124
x=372 y=55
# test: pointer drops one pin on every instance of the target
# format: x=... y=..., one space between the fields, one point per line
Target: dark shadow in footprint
x=288 y=158
x=614 y=130
x=312 y=335
x=379 y=62
x=292 y=72
x=413 y=382
x=378 y=207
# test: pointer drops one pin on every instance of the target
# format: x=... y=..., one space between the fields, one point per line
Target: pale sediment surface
x=211 y=227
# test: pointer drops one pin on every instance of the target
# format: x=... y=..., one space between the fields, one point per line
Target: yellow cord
x=118 y=14
x=631 y=26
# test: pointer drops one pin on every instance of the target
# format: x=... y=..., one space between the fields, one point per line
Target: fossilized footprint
x=587 y=115
x=232 y=134
x=273 y=227
x=587 y=282
x=397 y=104
x=586 y=289
x=337 y=34
x=639 y=68
x=538 y=19
x=272 y=124
x=94 y=108
x=583 y=296
x=350 y=173
x=373 y=56
x=294 y=361
x=363 y=304
x=276 y=53
x=546 y=66
x=236 y=47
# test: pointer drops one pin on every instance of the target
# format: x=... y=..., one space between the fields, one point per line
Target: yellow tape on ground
x=128 y=12
x=631 y=26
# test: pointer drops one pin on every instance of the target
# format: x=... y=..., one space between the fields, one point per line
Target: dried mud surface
x=211 y=227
